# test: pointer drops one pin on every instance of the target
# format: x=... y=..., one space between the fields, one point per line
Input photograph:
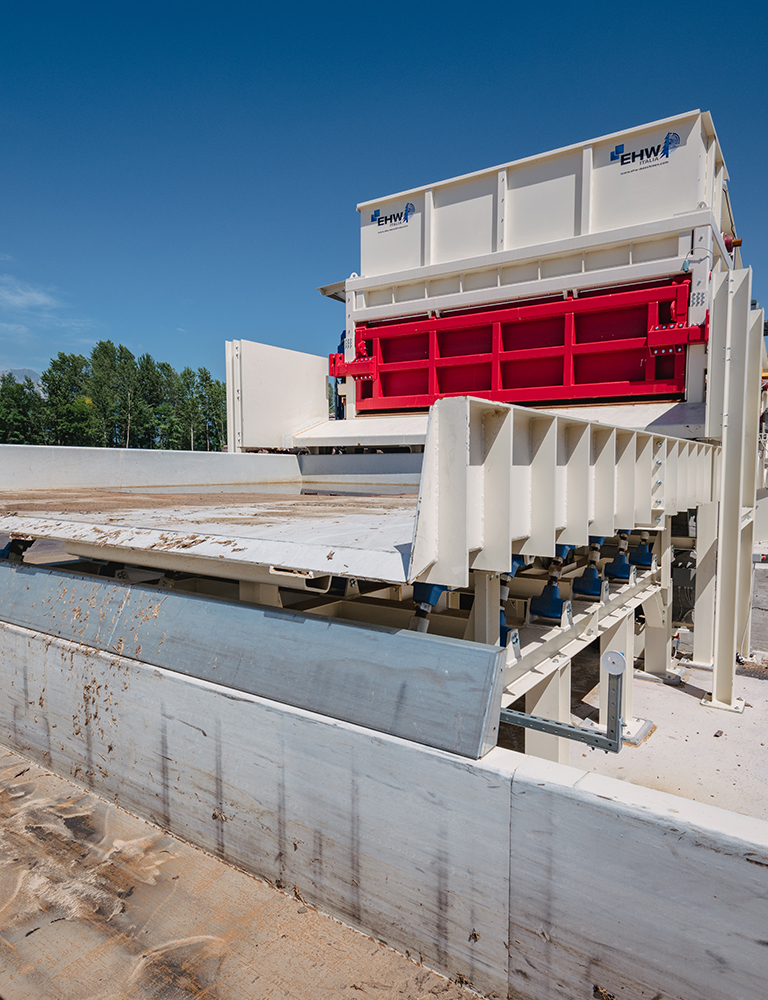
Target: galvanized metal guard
x=610 y=740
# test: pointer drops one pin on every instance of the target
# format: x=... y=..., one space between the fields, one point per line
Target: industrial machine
x=596 y=282
x=543 y=364
x=580 y=274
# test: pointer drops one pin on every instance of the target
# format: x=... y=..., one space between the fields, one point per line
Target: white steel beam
x=499 y=478
x=741 y=359
x=376 y=297
x=550 y=699
x=706 y=563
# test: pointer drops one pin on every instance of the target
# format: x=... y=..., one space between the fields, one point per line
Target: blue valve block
x=549 y=603
x=642 y=556
x=619 y=568
x=589 y=584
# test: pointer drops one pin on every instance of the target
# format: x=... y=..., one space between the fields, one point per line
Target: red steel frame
x=602 y=346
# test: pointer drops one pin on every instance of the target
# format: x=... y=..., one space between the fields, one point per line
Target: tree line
x=114 y=400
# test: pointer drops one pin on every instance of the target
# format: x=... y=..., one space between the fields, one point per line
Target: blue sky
x=177 y=174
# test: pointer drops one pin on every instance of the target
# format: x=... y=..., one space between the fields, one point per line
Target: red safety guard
x=608 y=346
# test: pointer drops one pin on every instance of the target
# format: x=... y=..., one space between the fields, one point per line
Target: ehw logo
x=396 y=218
x=660 y=152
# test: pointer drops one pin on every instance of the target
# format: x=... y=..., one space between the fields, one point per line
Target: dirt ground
x=96 y=904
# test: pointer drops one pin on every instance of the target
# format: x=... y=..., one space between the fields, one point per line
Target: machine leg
x=746 y=572
x=704 y=608
x=658 y=636
x=550 y=699
x=658 y=610
x=728 y=634
x=260 y=593
x=743 y=346
x=663 y=551
x=486 y=608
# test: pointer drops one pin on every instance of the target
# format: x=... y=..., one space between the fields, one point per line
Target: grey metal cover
x=441 y=692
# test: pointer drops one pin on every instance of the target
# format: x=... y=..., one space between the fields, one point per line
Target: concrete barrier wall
x=41 y=467
x=527 y=878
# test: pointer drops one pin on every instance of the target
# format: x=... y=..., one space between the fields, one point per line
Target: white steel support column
x=663 y=550
x=658 y=636
x=752 y=398
x=706 y=564
x=234 y=396
x=740 y=366
x=746 y=573
x=551 y=699
x=658 y=610
x=487 y=608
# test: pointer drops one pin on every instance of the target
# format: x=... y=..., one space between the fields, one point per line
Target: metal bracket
x=611 y=739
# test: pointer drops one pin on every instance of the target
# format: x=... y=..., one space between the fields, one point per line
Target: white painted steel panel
x=544 y=201
x=463 y=219
x=317 y=534
x=430 y=689
x=657 y=187
x=275 y=393
x=628 y=178
x=366 y=431
x=396 y=242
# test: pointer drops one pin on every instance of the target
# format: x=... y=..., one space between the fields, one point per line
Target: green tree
x=127 y=395
x=69 y=412
x=189 y=411
x=112 y=400
x=150 y=398
x=21 y=412
x=169 y=430
x=102 y=391
x=212 y=401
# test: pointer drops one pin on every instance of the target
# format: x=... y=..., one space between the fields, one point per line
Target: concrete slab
x=697 y=752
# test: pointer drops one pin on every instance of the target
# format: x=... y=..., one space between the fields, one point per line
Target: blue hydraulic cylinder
x=619 y=568
x=642 y=556
x=590 y=583
x=549 y=603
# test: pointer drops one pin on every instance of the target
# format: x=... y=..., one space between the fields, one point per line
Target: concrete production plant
x=300 y=655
